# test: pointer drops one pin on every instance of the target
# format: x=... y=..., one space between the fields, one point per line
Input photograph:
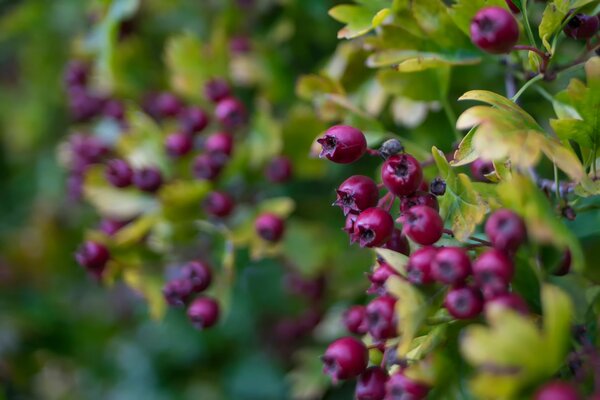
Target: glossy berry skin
x=480 y=168
x=208 y=166
x=193 y=120
x=167 y=105
x=356 y=194
x=419 y=199
x=279 y=170
x=463 y=302
x=219 y=143
x=345 y=358
x=512 y=7
x=380 y=318
x=93 y=256
x=373 y=227
x=343 y=144
x=118 y=173
x=494 y=30
x=582 y=26
x=270 y=227
x=506 y=230
x=402 y=174
x=509 y=300
x=231 y=113
x=399 y=386
x=178 y=144
x=398 y=243
x=177 y=292
x=557 y=390
x=451 y=265
x=370 y=385
x=216 y=90
x=418 y=268
x=218 y=204
x=564 y=266
x=147 y=179
x=422 y=224
x=493 y=268
x=437 y=187
x=355 y=320
x=199 y=274
x=203 y=312
x=379 y=277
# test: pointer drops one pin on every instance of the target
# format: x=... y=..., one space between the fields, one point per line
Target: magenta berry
x=76 y=74
x=193 y=120
x=357 y=193
x=355 y=320
x=373 y=227
x=219 y=143
x=380 y=316
x=557 y=390
x=118 y=173
x=86 y=150
x=114 y=109
x=506 y=230
x=111 y=226
x=564 y=266
x=370 y=385
x=512 y=7
x=509 y=300
x=345 y=358
x=167 y=105
x=208 y=166
x=199 y=275
x=147 y=179
x=216 y=90
x=419 y=199
x=84 y=105
x=402 y=174
x=231 y=113
x=203 y=312
x=463 y=302
x=418 y=268
x=399 y=386
x=422 y=224
x=493 y=268
x=451 y=265
x=218 y=204
x=379 y=277
x=279 y=169
x=480 y=168
x=93 y=256
x=398 y=243
x=582 y=26
x=343 y=144
x=178 y=144
x=494 y=30
x=349 y=224
x=270 y=227
x=239 y=45
x=177 y=292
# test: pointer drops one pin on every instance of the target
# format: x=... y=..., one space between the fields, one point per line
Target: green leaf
x=309 y=86
x=434 y=19
x=410 y=311
x=396 y=260
x=307 y=379
x=359 y=19
x=412 y=61
x=463 y=11
x=554 y=15
x=264 y=140
x=150 y=287
x=420 y=86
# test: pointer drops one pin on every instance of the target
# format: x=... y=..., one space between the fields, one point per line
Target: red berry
x=178 y=144
x=509 y=300
x=199 y=274
x=506 y=230
x=379 y=277
x=419 y=199
x=557 y=390
x=208 y=166
x=167 y=105
x=582 y=26
x=114 y=109
x=343 y=144
x=398 y=243
x=494 y=30
x=380 y=316
x=111 y=226
x=355 y=320
x=463 y=302
x=279 y=169
x=418 y=268
x=203 y=312
x=147 y=179
x=402 y=174
x=480 y=168
x=493 y=268
x=373 y=227
x=218 y=204
x=93 y=256
x=177 y=292
x=193 y=120
x=118 y=173
x=422 y=224
x=270 y=227
x=564 y=266
x=349 y=224
x=512 y=7
x=357 y=193
x=399 y=386
x=231 y=113
x=219 y=143
x=216 y=90
x=345 y=358
x=370 y=385
x=451 y=265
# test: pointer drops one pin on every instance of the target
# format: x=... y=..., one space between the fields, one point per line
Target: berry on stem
x=480 y=168
x=178 y=144
x=203 y=312
x=380 y=318
x=199 y=275
x=355 y=320
x=399 y=386
x=493 y=268
x=398 y=243
x=509 y=300
x=111 y=226
x=373 y=227
x=93 y=256
x=494 y=30
x=270 y=227
x=506 y=230
x=216 y=90
x=208 y=166
x=118 y=173
x=419 y=199
x=582 y=26
x=422 y=224
x=220 y=143
x=231 y=113
x=193 y=120
x=147 y=179
x=177 y=292
x=402 y=174
x=356 y=194
x=418 y=268
x=279 y=169
x=390 y=147
x=463 y=302
x=370 y=385
x=343 y=144
x=379 y=277
x=451 y=265
x=345 y=358
x=167 y=105
x=218 y=204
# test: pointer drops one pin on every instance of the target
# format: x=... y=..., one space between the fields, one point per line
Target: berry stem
x=526 y=85
x=481 y=242
x=373 y=152
x=526 y=23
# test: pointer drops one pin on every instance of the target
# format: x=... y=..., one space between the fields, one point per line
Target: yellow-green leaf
x=410 y=311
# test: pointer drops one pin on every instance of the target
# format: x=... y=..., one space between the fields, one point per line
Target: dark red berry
x=438 y=187
x=208 y=166
x=216 y=90
x=379 y=277
x=114 y=109
x=509 y=300
x=343 y=144
x=463 y=302
x=76 y=74
x=167 y=105
x=451 y=265
x=390 y=147
x=111 y=226
x=356 y=194
x=349 y=224
x=419 y=199
x=345 y=358
x=355 y=320
x=178 y=144
x=219 y=143
x=193 y=120
x=203 y=312
x=370 y=385
x=506 y=230
x=480 y=168
x=494 y=30
x=402 y=174
x=84 y=105
x=564 y=266
x=373 y=227
x=422 y=224
x=199 y=275
x=118 y=173
x=557 y=390
x=218 y=204
x=231 y=113
x=493 y=269
x=398 y=243
x=270 y=227
x=86 y=150
x=93 y=256
x=177 y=292
x=279 y=169
x=512 y=7
x=147 y=179
x=490 y=292
x=582 y=26
x=418 y=268
x=400 y=387
x=380 y=316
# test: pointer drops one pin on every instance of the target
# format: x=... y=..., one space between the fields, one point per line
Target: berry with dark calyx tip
x=419 y=199
x=167 y=105
x=582 y=26
x=494 y=30
x=177 y=292
x=493 y=268
x=398 y=243
x=357 y=193
x=390 y=147
x=463 y=302
x=114 y=109
x=438 y=187
x=178 y=144
x=148 y=179
x=111 y=226
x=208 y=166
x=418 y=268
x=512 y=7
x=402 y=174
x=218 y=204
x=345 y=358
x=76 y=74
x=557 y=390
x=119 y=173
x=198 y=273
x=203 y=312
x=193 y=120
x=506 y=230
x=219 y=143
x=93 y=256
x=370 y=385
x=216 y=90
x=422 y=224
x=480 y=168
x=451 y=265
x=399 y=386
x=564 y=266
x=343 y=144
x=373 y=227
x=231 y=113
x=509 y=300
x=279 y=169
x=349 y=224
x=379 y=277
x=270 y=227
x=380 y=316
x=354 y=320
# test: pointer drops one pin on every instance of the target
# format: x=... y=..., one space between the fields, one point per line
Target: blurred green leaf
x=463 y=11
